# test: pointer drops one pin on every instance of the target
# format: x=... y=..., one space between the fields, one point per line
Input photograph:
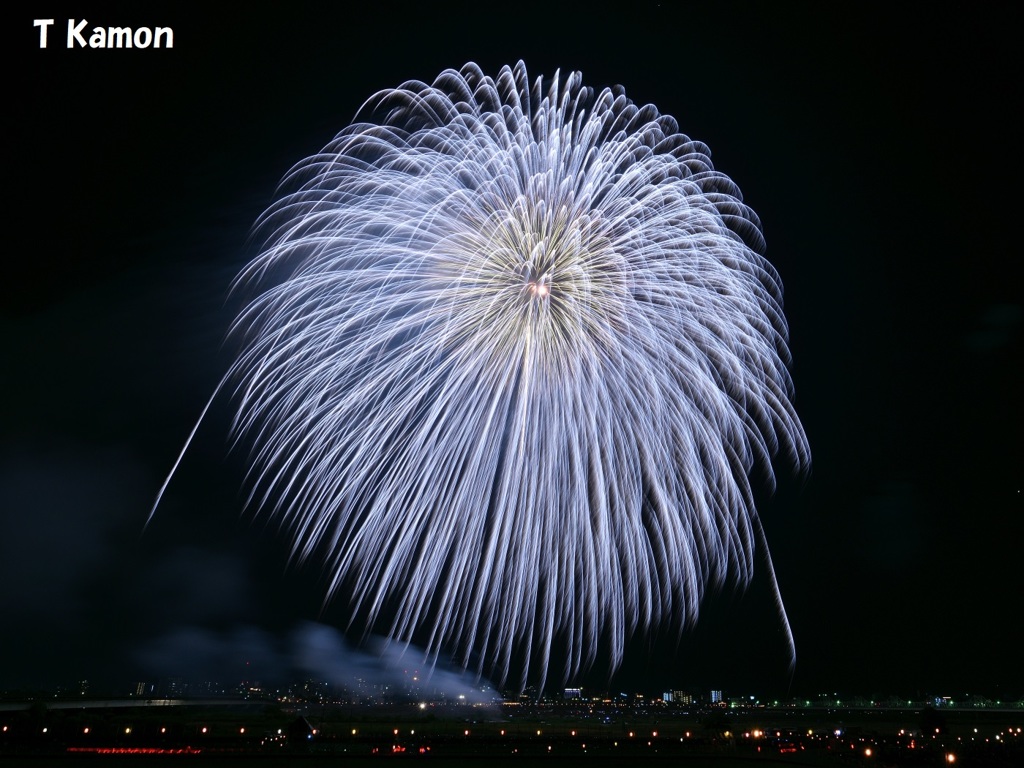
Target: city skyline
x=419 y=688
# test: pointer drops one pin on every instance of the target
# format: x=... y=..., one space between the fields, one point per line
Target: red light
x=135 y=751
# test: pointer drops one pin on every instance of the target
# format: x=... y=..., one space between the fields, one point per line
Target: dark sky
x=880 y=152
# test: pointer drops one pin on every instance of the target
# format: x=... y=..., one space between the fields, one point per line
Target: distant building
x=572 y=694
x=716 y=697
x=175 y=688
x=208 y=688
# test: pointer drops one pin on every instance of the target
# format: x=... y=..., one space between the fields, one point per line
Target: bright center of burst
x=540 y=290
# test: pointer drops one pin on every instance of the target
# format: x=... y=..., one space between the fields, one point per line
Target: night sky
x=880 y=152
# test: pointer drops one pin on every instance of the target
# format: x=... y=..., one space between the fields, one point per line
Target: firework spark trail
x=523 y=360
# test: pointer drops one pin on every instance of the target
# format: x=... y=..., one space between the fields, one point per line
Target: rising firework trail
x=512 y=358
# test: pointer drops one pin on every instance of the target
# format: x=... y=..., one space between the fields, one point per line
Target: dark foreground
x=269 y=735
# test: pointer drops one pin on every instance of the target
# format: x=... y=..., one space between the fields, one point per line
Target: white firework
x=512 y=359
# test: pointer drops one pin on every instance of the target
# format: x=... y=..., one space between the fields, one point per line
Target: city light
x=561 y=724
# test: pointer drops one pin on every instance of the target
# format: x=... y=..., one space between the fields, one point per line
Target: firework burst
x=513 y=356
